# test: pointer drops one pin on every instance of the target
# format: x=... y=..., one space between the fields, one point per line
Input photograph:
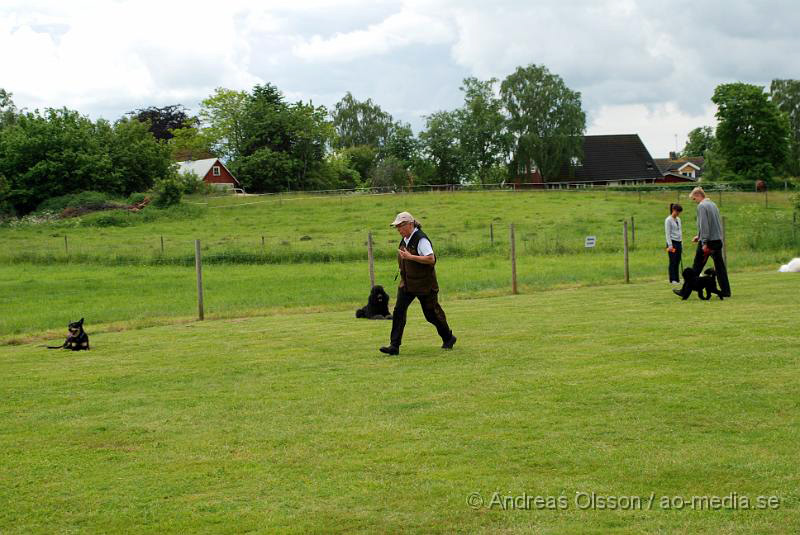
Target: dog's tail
x=56 y=347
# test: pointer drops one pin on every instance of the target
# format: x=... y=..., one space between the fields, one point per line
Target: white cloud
x=398 y=30
x=647 y=66
x=663 y=127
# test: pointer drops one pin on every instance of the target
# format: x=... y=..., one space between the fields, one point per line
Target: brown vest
x=416 y=278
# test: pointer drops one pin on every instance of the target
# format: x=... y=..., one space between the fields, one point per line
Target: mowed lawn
x=296 y=424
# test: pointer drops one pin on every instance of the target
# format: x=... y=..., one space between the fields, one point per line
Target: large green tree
x=441 y=146
x=545 y=117
x=361 y=123
x=786 y=95
x=698 y=142
x=283 y=146
x=222 y=117
x=483 y=134
x=753 y=134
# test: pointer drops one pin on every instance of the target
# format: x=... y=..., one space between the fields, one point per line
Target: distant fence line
x=529 y=187
x=254 y=248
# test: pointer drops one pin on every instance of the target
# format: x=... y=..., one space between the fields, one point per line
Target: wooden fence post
x=625 y=235
x=162 y=245
x=633 y=233
x=66 y=247
x=371 y=257
x=199 y=271
x=491 y=233
x=513 y=262
x=263 y=246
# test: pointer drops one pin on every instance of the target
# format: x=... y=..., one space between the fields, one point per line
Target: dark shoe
x=677 y=292
x=450 y=343
x=390 y=350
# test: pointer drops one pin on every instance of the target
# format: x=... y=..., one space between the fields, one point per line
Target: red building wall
x=224 y=176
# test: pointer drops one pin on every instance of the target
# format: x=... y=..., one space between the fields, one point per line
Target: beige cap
x=402 y=217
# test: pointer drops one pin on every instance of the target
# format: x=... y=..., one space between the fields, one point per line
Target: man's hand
x=670 y=249
x=696 y=239
x=405 y=255
x=706 y=250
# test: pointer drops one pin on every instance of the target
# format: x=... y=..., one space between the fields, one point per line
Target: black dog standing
x=704 y=285
x=77 y=339
x=377 y=305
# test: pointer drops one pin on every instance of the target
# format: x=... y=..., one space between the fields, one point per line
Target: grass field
x=307 y=229
x=117 y=277
x=294 y=423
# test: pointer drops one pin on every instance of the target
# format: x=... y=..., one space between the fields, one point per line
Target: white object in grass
x=791 y=267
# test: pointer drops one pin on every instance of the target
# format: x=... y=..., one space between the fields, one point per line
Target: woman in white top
x=674 y=236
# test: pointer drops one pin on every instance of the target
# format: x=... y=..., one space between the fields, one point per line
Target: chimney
x=673 y=155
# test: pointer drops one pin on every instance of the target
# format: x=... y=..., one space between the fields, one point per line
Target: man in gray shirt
x=709 y=239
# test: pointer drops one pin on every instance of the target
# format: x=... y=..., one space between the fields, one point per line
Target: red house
x=210 y=171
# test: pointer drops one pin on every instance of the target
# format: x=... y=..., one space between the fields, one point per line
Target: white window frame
x=216 y=171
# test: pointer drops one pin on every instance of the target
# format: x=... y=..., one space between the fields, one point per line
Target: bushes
x=167 y=192
x=82 y=202
x=136 y=198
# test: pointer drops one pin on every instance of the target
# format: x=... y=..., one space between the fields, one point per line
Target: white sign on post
x=590 y=241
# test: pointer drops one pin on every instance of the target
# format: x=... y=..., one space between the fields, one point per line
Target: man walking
x=709 y=239
x=417 y=280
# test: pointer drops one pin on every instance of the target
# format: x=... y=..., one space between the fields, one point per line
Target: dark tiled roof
x=669 y=164
x=612 y=158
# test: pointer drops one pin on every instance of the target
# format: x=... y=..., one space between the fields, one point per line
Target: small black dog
x=77 y=338
x=704 y=285
x=377 y=305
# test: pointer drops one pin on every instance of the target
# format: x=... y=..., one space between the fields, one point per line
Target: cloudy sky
x=642 y=66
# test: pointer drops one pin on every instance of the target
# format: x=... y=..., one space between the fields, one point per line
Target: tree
x=440 y=143
x=360 y=123
x=56 y=152
x=283 y=146
x=699 y=141
x=8 y=111
x=483 y=136
x=545 y=117
x=390 y=173
x=311 y=134
x=753 y=134
x=401 y=144
x=49 y=154
x=164 y=120
x=361 y=158
x=222 y=116
x=190 y=143
x=785 y=94
x=138 y=159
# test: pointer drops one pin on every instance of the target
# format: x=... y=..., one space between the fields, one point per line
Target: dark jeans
x=719 y=264
x=430 y=307
x=675 y=262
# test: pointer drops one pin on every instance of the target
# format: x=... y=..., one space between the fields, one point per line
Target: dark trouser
x=675 y=262
x=430 y=307
x=719 y=264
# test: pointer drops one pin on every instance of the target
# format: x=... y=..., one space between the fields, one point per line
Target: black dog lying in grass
x=77 y=338
x=704 y=285
x=377 y=305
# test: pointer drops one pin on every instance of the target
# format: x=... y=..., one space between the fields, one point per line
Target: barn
x=210 y=171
